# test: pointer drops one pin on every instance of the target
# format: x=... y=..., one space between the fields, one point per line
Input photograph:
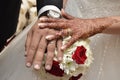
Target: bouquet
x=76 y=61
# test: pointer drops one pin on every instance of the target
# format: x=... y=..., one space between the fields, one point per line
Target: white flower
x=69 y=66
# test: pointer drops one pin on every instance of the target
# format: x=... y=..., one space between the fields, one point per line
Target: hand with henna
x=77 y=28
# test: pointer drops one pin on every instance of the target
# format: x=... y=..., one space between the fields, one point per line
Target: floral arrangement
x=76 y=61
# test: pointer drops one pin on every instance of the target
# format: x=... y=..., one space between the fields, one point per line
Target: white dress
x=106 y=48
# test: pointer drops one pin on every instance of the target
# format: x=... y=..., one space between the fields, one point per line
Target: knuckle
x=51 y=48
x=56 y=24
x=49 y=24
x=50 y=55
x=29 y=58
x=30 y=55
x=41 y=47
x=52 y=24
x=33 y=47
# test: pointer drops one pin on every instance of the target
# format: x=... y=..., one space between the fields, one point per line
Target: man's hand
x=36 y=45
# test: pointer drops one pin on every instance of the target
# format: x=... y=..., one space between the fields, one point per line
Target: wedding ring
x=69 y=32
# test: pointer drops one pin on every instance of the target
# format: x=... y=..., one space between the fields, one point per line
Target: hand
x=36 y=45
x=70 y=26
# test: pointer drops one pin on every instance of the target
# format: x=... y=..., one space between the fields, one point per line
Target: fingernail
x=28 y=64
x=63 y=47
x=48 y=67
x=37 y=66
x=41 y=25
x=49 y=37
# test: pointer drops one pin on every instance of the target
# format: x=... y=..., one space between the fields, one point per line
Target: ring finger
x=50 y=54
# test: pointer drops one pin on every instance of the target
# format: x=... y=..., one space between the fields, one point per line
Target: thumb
x=66 y=15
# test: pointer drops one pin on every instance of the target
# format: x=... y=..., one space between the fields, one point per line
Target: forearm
x=110 y=25
x=114 y=28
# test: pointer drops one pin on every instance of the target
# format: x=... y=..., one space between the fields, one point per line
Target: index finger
x=54 y=25
x=44 y=19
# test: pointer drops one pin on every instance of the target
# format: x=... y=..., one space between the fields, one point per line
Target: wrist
x=104 y=23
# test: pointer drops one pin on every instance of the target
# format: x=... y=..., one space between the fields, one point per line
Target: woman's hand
x=70 y=26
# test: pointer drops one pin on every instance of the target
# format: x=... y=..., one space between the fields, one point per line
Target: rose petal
x=80 y=55
x=55 y=70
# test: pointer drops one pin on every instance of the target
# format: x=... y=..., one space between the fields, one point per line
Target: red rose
x=80 y=55
x=76 y=77
x=56 y=69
